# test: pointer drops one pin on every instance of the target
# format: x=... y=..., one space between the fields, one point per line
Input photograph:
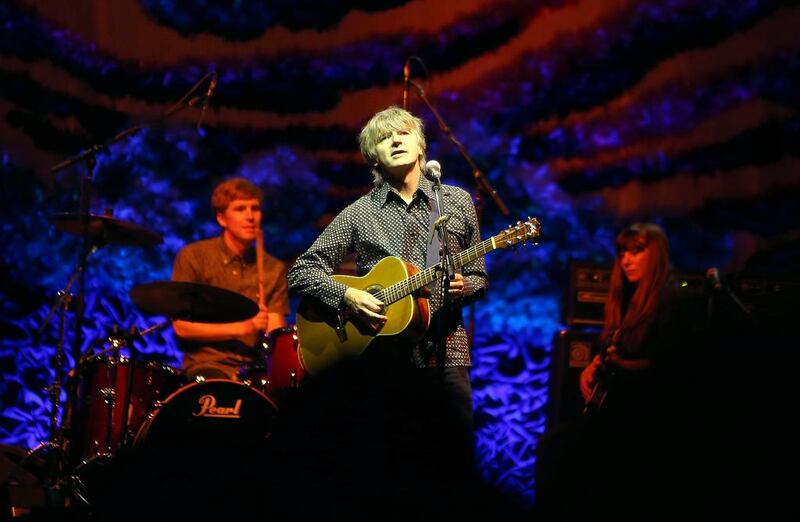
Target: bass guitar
x=603 y=377
x=329 y=335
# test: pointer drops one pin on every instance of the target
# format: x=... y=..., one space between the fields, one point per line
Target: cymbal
x=106 y=229
x=194 y=302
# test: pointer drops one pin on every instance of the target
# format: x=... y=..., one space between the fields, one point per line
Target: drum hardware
x=62 y=303
x=53 y=449
x=94 y=231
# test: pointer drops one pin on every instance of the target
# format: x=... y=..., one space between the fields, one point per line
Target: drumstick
x=260 y=263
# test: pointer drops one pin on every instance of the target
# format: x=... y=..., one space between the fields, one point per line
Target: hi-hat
x=194 y=302
x=106 y=229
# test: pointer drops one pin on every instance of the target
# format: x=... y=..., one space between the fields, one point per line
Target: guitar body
x=321 y=345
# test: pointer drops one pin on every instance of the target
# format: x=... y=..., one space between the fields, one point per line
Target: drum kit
x=118 y=403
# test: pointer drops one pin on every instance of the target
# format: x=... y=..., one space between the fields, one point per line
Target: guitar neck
x=422 y=278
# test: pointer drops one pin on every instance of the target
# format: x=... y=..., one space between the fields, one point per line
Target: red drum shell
x=97 y=424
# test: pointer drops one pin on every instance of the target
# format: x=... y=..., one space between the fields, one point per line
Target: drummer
x=219 y=350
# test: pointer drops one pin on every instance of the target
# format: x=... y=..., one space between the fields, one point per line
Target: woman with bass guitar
x=618 y=459
x=636 y=311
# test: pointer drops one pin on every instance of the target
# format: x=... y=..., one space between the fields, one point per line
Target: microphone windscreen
x=433 y=169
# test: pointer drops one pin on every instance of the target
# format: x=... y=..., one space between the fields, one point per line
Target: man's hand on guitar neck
x=365 y=305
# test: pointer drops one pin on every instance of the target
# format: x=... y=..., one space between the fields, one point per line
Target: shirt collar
x=385 y=189
x=229 y=256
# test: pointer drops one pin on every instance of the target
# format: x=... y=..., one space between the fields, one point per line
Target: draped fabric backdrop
x=588 y=114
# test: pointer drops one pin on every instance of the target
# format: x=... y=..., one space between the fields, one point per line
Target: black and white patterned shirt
x=381 y=224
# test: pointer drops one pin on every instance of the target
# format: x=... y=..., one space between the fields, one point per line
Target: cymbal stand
x=54 y=450
x=88 y=158
x=61 y=303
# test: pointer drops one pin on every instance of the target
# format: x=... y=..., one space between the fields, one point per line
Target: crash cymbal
x=106 y=229
x=193 y=302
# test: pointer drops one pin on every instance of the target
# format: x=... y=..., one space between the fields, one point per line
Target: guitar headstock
x=522 y=232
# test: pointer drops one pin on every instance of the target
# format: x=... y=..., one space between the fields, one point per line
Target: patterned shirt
x=381 y=224
x=211 y=262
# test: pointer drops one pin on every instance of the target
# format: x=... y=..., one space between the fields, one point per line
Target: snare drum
x=97 y=425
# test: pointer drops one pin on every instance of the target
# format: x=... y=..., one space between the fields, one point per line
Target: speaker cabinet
x=573 y=350
x=587 y=293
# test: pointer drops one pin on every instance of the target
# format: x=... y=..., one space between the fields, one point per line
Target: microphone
x=406 y=74
x=433 y=170
x=210 y=92
x=713 y=280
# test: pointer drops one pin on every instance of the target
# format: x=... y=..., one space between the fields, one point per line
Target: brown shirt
x=211 y=262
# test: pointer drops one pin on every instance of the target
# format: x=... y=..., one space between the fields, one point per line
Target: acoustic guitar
x=328 y=335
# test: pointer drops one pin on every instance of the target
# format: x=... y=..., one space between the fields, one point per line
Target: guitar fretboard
x=397 y=291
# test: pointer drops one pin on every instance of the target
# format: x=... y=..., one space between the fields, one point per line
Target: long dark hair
x=631 y=307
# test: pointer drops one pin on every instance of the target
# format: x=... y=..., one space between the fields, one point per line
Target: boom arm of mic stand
x=480 y=180
x=88 y=156
x=179 y=106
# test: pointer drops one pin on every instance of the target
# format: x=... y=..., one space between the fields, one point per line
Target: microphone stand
x=481 y=184
x=441 y=229
x=447 y=266
x=88 y=157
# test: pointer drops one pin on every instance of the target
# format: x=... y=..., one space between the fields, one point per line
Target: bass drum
x=210 y=415
x=202 y=454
